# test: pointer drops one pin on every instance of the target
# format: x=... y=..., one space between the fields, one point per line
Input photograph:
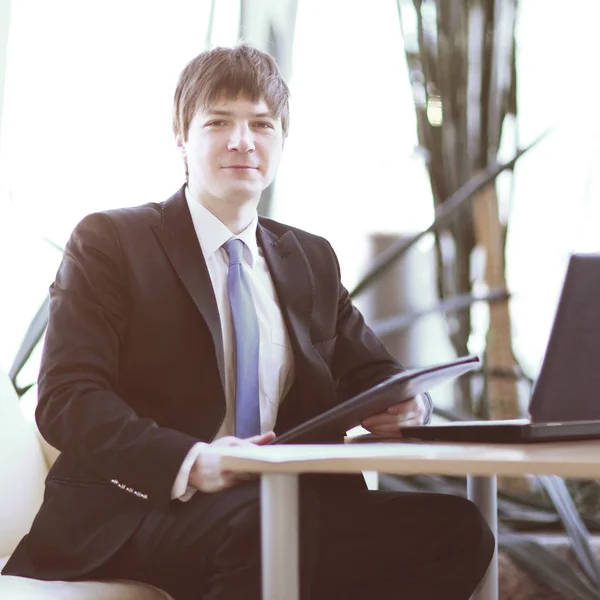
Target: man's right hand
x=206 y=474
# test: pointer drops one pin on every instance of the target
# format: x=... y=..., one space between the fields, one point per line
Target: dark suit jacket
x=132 y=370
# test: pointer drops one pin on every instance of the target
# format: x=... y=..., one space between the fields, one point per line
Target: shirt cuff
x=181 y=489
x=428 y=407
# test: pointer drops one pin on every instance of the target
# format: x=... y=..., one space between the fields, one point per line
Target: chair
x=24 y=462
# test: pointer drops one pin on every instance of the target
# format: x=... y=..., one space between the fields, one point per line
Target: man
x=194 y=322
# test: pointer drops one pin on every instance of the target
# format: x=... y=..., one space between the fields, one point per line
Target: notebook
x=565 y=400
x=330 y=426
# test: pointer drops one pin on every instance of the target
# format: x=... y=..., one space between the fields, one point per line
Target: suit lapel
x=295 y=286
x=178 y=238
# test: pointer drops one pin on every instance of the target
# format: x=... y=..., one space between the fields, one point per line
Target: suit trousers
x=353 y=544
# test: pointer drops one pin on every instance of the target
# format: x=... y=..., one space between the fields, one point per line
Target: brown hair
x=227 y=73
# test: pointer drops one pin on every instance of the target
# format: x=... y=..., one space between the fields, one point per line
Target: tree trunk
x=500 y=393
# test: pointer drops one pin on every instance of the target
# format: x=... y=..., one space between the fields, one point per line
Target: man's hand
x=389 y=423
x=206 y=474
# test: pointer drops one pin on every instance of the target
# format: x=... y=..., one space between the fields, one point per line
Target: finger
x=245 y=476
x=262 y=439
x=408 y=406
x=385 y=418
x=228 y=442
x=233 y=442
x=389 y=423
x=386 y=434
x=376 y=420
x=396 y=431
x=228 y=479
x=217 y=481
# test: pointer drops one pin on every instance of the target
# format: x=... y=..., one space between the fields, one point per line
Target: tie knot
x=234 y=249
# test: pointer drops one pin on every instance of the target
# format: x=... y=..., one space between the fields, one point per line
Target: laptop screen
x=568 y=384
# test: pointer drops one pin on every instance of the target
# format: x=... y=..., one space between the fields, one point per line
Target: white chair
x=24 y=462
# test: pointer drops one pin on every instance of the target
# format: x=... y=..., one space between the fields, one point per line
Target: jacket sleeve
x=79 y=410
x=361 y=360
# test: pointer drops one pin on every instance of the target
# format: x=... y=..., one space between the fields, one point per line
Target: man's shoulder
x=131 y=217
x=146 y=213
x=279 y=229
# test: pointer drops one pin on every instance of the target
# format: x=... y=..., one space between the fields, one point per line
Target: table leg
x=279 y=536
x=482 y=491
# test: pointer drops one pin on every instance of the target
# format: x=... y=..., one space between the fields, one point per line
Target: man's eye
x=216 y=123
x=263 y=125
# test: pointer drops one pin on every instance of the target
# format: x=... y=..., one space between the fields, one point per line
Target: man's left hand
x=389 y=423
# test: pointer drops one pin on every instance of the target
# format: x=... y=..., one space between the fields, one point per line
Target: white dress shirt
x=275 y=362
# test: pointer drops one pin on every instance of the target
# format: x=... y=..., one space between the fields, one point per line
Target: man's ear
x=179 y=142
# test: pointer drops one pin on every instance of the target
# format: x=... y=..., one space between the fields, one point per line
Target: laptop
x=565 y=401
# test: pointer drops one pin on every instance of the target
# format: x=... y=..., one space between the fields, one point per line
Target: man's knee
x=475 y=533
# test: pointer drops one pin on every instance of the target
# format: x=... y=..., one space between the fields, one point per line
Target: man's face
x=232 y=151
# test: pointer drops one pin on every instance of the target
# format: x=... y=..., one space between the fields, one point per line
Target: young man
x=194 y=322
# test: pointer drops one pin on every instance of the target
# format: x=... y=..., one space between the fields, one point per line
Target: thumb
x=265 y=438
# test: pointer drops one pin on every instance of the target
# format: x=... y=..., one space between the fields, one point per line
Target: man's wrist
x=183 y=489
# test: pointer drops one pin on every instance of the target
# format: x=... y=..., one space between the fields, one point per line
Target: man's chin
x=241 y=194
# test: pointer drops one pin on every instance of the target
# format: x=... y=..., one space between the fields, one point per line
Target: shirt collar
x=213 y=233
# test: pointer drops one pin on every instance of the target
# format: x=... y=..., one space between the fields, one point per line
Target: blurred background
x=449 y=150
x=86 y=126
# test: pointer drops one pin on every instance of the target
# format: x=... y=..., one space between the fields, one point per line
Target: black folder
x=332 y=425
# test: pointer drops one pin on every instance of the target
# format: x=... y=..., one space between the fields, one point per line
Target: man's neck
x=235 y=216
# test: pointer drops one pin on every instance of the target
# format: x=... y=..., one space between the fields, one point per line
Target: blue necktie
x=247 y=338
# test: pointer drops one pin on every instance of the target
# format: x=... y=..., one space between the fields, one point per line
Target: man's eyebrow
x=228 y=113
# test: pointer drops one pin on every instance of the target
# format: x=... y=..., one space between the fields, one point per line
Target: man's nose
x=241 y=139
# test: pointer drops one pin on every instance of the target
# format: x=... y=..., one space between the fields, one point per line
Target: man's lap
x=348 y=539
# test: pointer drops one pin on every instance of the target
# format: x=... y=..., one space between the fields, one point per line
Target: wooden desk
x=279 y=467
